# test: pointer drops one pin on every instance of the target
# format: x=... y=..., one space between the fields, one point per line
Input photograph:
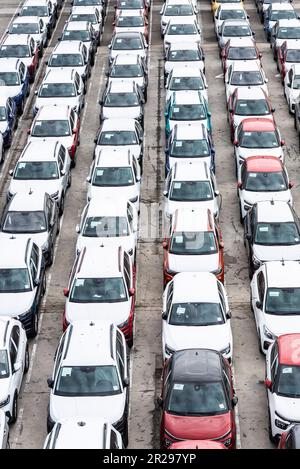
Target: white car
x=32 y=25
x=228 y=11
x=196 y=314
x=81 y=31
x=115 y=173
x=96 y=4
x=283 y=384
x=14 y=362
x=122 y=99
x=178 y=31
x=22 y=47
x=4 y=431
x=91 y=14
x=128 y=22
x=233 y=29
x=61 y=86
x=90 y=376
x=183 y=78
x=284 y=30
x=128 y=43
x=275 y=296
x=110 y=221
x=44 y=9
x=187 y=54
x=288 y=54
x=83 y=433
x=245 y=73
x=129 y=68
x=235 y=51
x=176 y=8
x=292 y=86
x=191 y=185
x=276 y=10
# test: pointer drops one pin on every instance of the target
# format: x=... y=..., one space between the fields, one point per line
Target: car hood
x=65 y=141
x=134 y=149
x=198 y=64
x=115 y=312
x=198 y=428
x=121 y=112
x=127 y=192
x=177 y=39
x=205 y=159
x=80 y=70
x=140 y=52
x=246 y=152
x=238 y=119
x=138 y=80
x=171 y=206
x=287 y=407
x=4 y=388
x=253 y=197
x=139 y=29
x=10 y=91
x=202 y=263
x=231 y=88
x=170 y=92
x=72 y=101
x=231 y=62
x=13 y=304
x=127 y=242
x=38 y=238
x=276 y=253
x=3 y=126
x=199 y=122
x=26 y=186
x=283 y=324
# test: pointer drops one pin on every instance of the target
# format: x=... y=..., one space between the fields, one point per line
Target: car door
x=258 y=306
x=24 y=79
x=34 y=51
x=79 y=90
x=37 y=259
x=51 y=207
x=18 y=345
x=64 y=168
x=15 y=382
x=249 y=231
x=75 y=125
x=10 y=115
x=132 y=217
x=289 y=83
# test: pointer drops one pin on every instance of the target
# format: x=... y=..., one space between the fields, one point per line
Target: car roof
x=126 y=59
x=109 y=207
x=114 y=157
x=192 y=219
x=181 y=70
x=281 y=6
x=18 y=39
x=39 y=150
x=283 y=274
x=83 y=9
x=133 y=34
x=186 y=287
x=287 y=345
x=9 y=63
x=180 y=20
x=191 y=171
x=54 y=112
x=274 y=211
x=236 y=22
x=29 y=201
x=121 y=86
x=100 y=261
x=59 y=75
x=236 y=42
x=13 y=252
x=263 y=164
x=69 y=47
x=77 y=25
x=288 y=23
x=253 y=124
x=293 y=44
x=26 y=19
x=188 y=131
x=202 y=365
x=79 y=432
x=129 y=12
x=35 y=2
x=241 y=65
x=296 y=67
x=118 y=124
x=231 y=6
x=246 y=92
x=184 y=45
x=187 y=97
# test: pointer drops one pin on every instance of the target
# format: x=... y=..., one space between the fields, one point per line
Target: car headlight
x=226 y=350
x=55 y=195
x=130 y=252
x=45 y=247
x=9 y=195
x=268 y=333
x=124 y=324
x=134 y=199
x=257 y=262
x=171 y=272
x=167 y=45
x=227 y=442
x=281 y=425
x=5 y=401
x=169 y=351
x=217 y=271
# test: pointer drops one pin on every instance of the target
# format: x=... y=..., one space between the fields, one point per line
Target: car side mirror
x=221 y=244
x=266 y=80
x=165 y=244
x=96 y=140
x=258 y=304
x=164 y=315
x=289 y=85
x=11 y=172
x=259 y=55
x=50 y=383
x=125 y=382
x=217 y=192
x=59 y=38
x=248 y=236
x=234 y=401
x=37 y=282
x=66 y=292
x=209 y=113
x=101 y=102
x=228 y=314
x=253 y=33
x=74 y=131
x=165 y=193
x=291 y=184
x=268 y=383
x=109 y=46
x=273 y=110
x=131 y=291
x=36 y=92
x=47 y=62
x=231 y=110
x=239 y=185
x=28 y=131
x=160 y=401
x=77 y=229
x=17 y=366
x=107 y=73
x=282 y=143
x=236 y=143
x=88 y=179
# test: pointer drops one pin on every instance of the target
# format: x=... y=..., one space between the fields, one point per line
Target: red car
x=287 y=54
x=197 y=444
x=233 y=50
x=197 y=398
x=133 y=5
x=291 y=438
x=125 y=22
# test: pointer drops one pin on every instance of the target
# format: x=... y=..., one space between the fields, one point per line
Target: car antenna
x=30 y=191
x=282 y=262
x=272 y=201
x=92 y=323
x=12 y=237
x=81 y=424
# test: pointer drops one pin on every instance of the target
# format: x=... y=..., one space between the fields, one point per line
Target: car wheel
x=50 y=258
x=34 y=325
x=271 y=437
x=14 y=414
x=28 y=91
x=44 y=286
x=92 y=60
x=61 y=205
x=259 y=342
x=145 y=94
x=41 y=51
x=2 y=155
x=69 y=180
x=250 y=270
x=125 y=435
x=27 y=360
x=21 y=108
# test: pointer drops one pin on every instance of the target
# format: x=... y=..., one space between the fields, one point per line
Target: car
x=122 y=99
x=262 y=178
x=63 y=87
x=32 y=25
x=81 y=31
x=128 y=43
x=113 y=222
x=57 y=122
x=282 y=383
x=245 y=73
x=71 y=55
x=90 y=14
x=115 y=171
x=176 y=8
x=189 y=142
x=4 y=431
x=43 y=166
x=231 y=29
x=14 y=81
x=292 y=86
x=263 y=5
x=126 y=134
x=183 y=78
x=283 y=30
x=194 y=244
x=14 y=363
x=23 y=281
x=2 y=151
x=8 y=121
x=129 y=68
x=275 y=12
x=186 y=106
x=290 y=439
x=44 y=9
x=196 y=314
x=197 y=398
x=257 y=136
x=287 y=55
x=191 y=185
x=136 y=7
x=178 y=31
x=23 y=47
x=196 y=444
x=83 y=433
x=216 y=3
x=233 y=52
x=94 y=383
x=99 y=5
x=271 y=233
x=242 y=104
x=228 y=11
x=126 y=22
x=185 y=54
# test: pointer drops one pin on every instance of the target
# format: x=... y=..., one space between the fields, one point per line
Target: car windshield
x=252 y=107
x=277 y=234
x=247 y=78
x=289 y=33
x=34 y=10
x=87 y=2
x=36 y=170
x=4 y=366
x=190 y=399
x=191 y=191
x=236 y=31
x=3 y=113
x=57 y=90
x=296 y=82
x=24 y=222
x=127 y=43
x=130 y=21
x=130 y=4
x=181 y=29
x=293 y=55
x=193 y=243
x=184 y=55
x=126 y=71
x=76 y=35
x=24 y=28
x=283 y=301
x=118 y=137
x=232 y=15
x=15 y=50
x=91 y=17
x=113 y=176
x=14 y=281
x=179 y=10
x=98 y=290
x=259 y=140
x=288 y=382
x=87 y=381
x=196 y=314
x=189 y=148
x=9 y=79
x=121 y=100
x=282 y=15
x=229 y=1
x=66 y=60
x=266 y=182
x=242 y=53
x=109 y=227
x=51 y=128
x=186 y=83
x=190 y=112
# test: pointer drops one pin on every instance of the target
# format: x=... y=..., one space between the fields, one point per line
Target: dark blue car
x=8 y=119
x=14 y=81
x=276 y=12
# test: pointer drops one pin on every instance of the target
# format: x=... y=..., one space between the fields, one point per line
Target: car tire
x=14 y=414
x=2 y=156
x=69 y=180
x=61 y=205
x=259 y=343
x=250 y=270
x=130 y=343
x=34 y=325
x=146 y=94
x=125 y=437
x=271 y=437
x=49 y=423
x=241 y=217
x=44 y=286
x=27 y=360
x=50 y=259
x=21 y=108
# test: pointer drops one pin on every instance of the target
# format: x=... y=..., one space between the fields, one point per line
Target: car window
x=274 y=367
x=120 y=356
x=127 y=272
x=72 y=119
x=170 y=297
x=33 y=270
x=12 y=351
x=35 y=255
x=261 y=286
x=58 y=353
x=15 y=334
